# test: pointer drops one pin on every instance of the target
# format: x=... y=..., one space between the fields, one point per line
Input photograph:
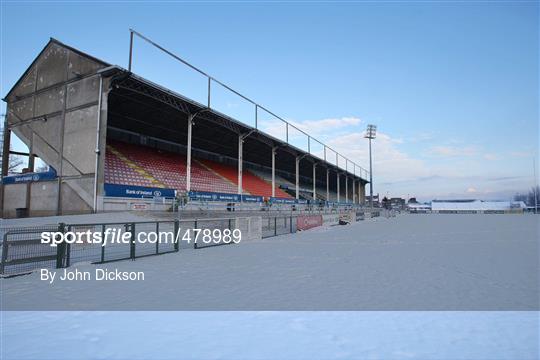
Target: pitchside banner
x=137 y=191
x=308 y=221
x=30 y=177
x=211 y=196
x=282 y=201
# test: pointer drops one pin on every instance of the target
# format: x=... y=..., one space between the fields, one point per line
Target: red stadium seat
x=251 y=183
x=148 y=167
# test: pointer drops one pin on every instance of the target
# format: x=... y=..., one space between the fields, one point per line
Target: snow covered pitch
x=411 y=262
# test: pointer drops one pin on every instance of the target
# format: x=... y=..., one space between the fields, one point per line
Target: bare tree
x=42 y=168
x=528 y=198
x=15 y=161
x=534 y=192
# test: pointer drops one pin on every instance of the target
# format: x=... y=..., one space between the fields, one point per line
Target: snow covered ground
x=270 y=335
x=411 y=262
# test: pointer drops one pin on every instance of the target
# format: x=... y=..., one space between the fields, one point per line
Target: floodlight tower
x=371 y=132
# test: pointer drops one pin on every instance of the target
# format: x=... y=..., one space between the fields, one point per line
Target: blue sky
x=452 y=87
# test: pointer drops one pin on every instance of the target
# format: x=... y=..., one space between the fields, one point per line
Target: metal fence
x=274 y=226
x=114 y=251
x=23 y=251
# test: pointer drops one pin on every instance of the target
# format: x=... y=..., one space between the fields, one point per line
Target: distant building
x=476 y=206
x=375 y=199
x=397 y=203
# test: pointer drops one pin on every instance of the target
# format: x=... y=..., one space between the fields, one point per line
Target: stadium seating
x=118 y=172
x=142 y=166
x=251 y=183
x=130 y=164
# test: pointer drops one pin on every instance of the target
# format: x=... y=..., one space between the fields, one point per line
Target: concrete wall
x=54 y=111
x=15 y=197
x=125 y=204
x=43 y=194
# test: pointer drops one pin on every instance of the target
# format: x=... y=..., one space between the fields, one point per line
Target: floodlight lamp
x=371 y=131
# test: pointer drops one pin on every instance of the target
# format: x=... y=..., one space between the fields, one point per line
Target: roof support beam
x=188 y=157
x=337 y=174
x=297 y=183
x=327 y=184
x=240 y=160
x=346 y=188
x=314 y=182
x=274 y=171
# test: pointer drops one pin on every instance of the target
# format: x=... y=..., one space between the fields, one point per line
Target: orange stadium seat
x=148 y=167
x=251 y=183
x=137 y=165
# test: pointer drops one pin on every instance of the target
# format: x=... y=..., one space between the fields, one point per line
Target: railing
x=23 y=251
x=295 y=209
x=311 y=141
x=275 y=226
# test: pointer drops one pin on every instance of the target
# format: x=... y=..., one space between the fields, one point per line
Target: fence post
x=61 y=248
x=102 y=239
x=157 y=241
x=290 y=224
x=68 y=251
x=275 y=226
x=132 y=243
x=195 y=240
x=5 y=246
x=176 y=231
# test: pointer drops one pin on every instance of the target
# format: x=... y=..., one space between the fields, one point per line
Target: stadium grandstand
x=114 y=140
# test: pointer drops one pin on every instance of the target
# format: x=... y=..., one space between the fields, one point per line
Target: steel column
x=209 y=89
x=337 y=186
x=274 y=172
x=188 y=160
x=314 y=183
x=370 y=178
x=327 y=184
x=98 y=128
x=297 y=178
x=346 y=188
x=240 y=160
x=130 y=50
x=256 y=116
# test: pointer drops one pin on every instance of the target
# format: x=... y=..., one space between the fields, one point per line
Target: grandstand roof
x=213 y=131
x=136 y=106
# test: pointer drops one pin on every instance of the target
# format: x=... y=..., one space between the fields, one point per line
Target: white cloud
x=325 y=125
x=389 y=163
x=315 y=128
x=453 y=151
x=454 y=169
